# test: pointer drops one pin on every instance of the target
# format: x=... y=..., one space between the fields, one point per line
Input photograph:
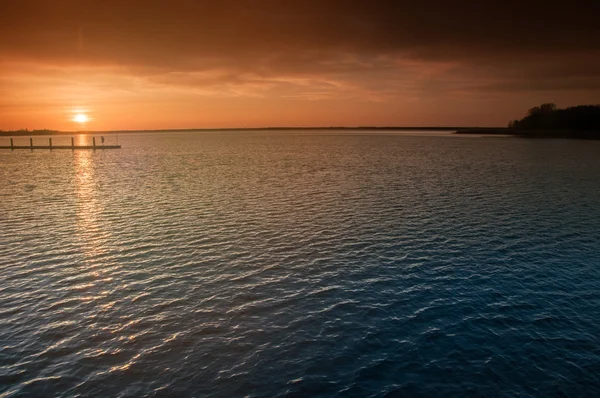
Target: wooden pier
x=31 y=146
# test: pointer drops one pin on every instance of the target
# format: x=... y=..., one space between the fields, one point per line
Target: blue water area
x=282 y=264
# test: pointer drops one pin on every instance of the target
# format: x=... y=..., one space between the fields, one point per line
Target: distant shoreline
x=360 y=128
x=499 y=131
x=541 y=133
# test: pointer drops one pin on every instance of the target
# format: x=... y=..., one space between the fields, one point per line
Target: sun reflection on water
x=89 y=208
x=81 y=140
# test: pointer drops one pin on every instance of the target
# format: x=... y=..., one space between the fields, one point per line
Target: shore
x=574 y=134
x=16 y=133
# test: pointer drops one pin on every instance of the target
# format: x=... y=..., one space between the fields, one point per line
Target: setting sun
x=80 y=118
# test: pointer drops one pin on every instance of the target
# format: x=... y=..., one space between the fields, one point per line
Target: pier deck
x=31 y=146
x=60 y=147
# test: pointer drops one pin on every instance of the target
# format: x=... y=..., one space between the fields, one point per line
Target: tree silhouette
x=548 y=117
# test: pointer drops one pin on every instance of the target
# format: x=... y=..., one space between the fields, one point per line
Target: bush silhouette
x=548 y=117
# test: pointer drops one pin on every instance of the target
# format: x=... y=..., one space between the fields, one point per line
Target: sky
x=130 y=64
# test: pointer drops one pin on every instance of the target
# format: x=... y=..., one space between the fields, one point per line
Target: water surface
x=301 y=264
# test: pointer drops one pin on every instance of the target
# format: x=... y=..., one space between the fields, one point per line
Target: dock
x=31 y=146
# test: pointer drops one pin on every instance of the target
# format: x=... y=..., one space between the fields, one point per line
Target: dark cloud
x=191 y=32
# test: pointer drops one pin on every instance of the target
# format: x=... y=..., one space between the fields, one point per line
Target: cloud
x=312 y=50
x=183 y=34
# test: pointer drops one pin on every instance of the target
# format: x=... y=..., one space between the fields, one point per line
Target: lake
x=301 y=263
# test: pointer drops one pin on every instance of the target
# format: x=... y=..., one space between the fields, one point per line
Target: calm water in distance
x=269 y=264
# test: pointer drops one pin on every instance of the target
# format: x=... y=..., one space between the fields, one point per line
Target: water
x=269 y=264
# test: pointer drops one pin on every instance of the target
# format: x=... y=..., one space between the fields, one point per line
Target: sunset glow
x=235 y=63
x=81 y=118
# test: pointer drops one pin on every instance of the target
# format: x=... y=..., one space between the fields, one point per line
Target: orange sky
x=235 y=63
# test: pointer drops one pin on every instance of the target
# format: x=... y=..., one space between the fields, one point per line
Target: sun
x=81 y=118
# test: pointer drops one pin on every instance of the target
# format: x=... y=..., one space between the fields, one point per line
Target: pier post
x=72 y=143
x=11 y=144
x=94 y=142
x=50 y=142
x=31 y=143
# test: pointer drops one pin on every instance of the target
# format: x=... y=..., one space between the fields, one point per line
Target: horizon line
x=420 y=128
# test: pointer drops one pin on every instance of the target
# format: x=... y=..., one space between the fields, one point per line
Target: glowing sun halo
x=80 y=118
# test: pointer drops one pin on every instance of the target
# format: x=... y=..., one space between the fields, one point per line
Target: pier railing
x=61 y=142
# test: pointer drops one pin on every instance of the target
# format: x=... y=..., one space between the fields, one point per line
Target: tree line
x=548 y=117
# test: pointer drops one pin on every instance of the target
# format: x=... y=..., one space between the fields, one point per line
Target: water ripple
x=294 y=264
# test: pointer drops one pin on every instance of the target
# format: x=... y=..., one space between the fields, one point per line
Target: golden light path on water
x=101 y=290
x=92 y=235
